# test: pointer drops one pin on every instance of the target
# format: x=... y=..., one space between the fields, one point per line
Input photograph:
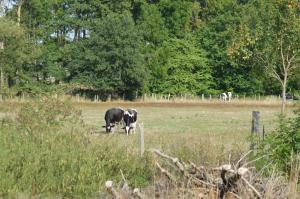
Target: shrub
x=47 y=151
x=280 y=145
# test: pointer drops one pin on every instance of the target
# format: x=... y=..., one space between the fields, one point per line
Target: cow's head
x=128 y=119
x=108 y=127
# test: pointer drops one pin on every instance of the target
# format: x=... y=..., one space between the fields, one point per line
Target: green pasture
x=202 y=132
x=50 y=149
x=170 y=119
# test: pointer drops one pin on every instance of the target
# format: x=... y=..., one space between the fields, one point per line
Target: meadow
x=58 y=149
x=193 y=130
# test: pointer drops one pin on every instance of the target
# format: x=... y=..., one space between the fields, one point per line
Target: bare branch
x=111 y=190
x=166 y=173
x=291 y=64
x=137 y=193
x=275 y=74
x=201 y=182
x=125 y=186
x=251 y=187
x=247 y=163
x=243 y=157
x=174 y=160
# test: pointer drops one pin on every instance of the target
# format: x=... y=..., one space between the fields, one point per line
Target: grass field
x=197 y=127
x=47 y=150
x=200 y=131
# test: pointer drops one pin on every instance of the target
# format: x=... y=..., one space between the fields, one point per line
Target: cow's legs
x=112 y=127
x=112 y=130
x=133 y=126
x=127 y=130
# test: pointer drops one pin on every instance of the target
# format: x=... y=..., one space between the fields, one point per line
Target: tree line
x=129 y=47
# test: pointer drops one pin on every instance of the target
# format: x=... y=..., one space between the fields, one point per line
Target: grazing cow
x=130 y=117
x=112 y=116
x=223 y=96
x=226 y=96
x=229 y=96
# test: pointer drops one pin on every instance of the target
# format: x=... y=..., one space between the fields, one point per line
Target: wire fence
x=162 y=98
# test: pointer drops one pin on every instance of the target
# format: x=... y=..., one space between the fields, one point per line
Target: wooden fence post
x=202 y=97
x=254 y=127
x=263 y=132
x=142 y=141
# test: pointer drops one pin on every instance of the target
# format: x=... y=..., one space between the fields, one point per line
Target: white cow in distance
x=229 y=96
x=223 y=97
x=226 y=96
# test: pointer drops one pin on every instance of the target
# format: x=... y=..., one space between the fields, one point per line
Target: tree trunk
x=75 y=33
x=19 y=12
x=283 y=100
x=1 y=78
x=78 y=34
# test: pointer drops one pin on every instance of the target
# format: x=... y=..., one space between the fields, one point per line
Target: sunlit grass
x=198 y=129
x=71 y=158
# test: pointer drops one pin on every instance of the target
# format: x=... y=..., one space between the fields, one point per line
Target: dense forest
x=129 y=47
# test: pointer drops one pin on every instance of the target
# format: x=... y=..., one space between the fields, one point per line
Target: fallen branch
x=252 y=187
x=174 y=160
x=136 y=193
x=242 y=158
x=165 y=172
x=111 y=190
x=125 y=186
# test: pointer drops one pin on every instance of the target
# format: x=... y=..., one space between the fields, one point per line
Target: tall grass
x=46 y=151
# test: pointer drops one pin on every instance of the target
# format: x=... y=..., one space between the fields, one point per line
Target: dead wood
x=178 y=178
x=193 y=176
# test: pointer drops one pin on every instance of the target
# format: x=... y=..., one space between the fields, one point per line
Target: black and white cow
x=226 y=96
x=223 y=96
x=112 y=116
x=130 y=117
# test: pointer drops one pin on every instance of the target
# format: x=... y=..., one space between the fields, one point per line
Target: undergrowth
x=47 y=151
x=282 y=145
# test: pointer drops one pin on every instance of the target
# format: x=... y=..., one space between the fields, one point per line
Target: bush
x=280 y=145
x=47 y=151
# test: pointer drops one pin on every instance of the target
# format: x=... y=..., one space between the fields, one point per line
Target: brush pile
x=178 y=179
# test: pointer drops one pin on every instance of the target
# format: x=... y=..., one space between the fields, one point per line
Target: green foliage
x=47 y=152
x=279 y=145
x=151 y=23
x=178 y=16
x=112 y=62
x=17 y=51
x=215 y=38
x=268 y=36
x=186 y=69
x=121 y=48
